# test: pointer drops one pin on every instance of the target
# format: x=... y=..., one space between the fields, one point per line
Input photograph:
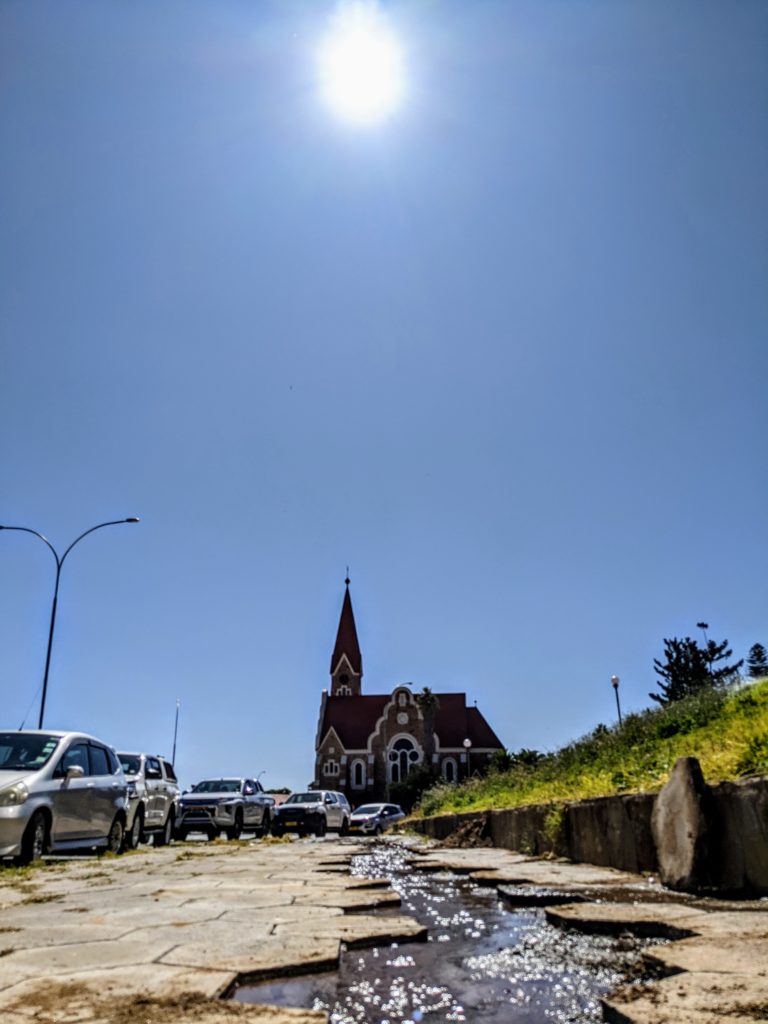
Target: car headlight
x=13 y=795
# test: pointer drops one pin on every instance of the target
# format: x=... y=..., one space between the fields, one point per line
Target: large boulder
x=679 y=824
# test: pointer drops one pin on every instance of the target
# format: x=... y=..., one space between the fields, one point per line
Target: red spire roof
x=346 y=638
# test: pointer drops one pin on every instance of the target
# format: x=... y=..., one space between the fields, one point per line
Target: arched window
x=343 y=691
x=449 y=769
x=358 y=775
x=403 y=756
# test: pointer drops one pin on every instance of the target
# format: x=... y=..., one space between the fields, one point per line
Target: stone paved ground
x=158 y=936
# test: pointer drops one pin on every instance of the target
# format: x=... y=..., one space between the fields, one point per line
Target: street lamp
x=59 y=563
x=615 y=685
x=468 y=746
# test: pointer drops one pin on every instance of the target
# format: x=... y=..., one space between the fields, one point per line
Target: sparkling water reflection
x=483 y=962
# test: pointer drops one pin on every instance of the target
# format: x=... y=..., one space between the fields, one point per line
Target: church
x=367 y=742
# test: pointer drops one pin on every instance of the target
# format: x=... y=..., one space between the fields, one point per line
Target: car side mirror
x=75 y=771
x=328 y=800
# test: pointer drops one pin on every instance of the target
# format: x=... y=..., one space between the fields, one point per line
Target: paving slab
x=728 y=955
x=291 y=955
x=691 y=998
x=649 y=920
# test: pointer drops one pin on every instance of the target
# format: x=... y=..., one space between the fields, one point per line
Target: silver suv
x=59 y=791
x=318 y=811
x=153 y=795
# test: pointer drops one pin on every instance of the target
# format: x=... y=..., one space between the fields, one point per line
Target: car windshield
x=131 y=763
x=217 y=786
x=24 y=751
x=369 y=809
x=304 y=798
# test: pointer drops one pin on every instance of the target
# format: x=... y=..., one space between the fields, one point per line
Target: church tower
x=346 y=660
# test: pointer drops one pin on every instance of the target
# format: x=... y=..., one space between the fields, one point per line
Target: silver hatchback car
x=59 y=791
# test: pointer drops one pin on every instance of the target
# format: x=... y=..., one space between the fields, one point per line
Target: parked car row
x=61 y=791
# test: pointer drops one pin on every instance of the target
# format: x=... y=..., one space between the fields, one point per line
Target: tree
x=428 y=703
x=757 y=662
x=688 y=668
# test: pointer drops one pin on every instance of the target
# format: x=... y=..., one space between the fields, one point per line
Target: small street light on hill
x=615 y=685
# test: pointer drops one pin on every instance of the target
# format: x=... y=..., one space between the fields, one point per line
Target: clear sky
x=503 y=352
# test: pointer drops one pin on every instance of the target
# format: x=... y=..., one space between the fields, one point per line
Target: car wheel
x=115 y=836
x=237 y=829
x=263 y=829
x=344 y=830
x=164 y=837
x=277 y=831
x=133 y=836
x=321 y=829
x=35 y=839
x=180 y=835
x=212 y=833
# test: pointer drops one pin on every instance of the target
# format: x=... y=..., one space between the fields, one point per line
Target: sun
x=361 y=69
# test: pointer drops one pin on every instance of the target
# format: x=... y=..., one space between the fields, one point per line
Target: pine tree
x=688 y=668
x=757 y=661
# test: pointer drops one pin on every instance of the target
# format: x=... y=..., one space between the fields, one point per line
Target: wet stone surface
x=484 y=961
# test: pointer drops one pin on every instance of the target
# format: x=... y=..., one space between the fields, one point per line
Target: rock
x=679 y=828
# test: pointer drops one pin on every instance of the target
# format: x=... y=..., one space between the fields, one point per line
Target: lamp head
x=615 y=682
x=132 y=519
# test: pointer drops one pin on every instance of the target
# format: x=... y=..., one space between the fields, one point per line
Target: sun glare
x=361 y=66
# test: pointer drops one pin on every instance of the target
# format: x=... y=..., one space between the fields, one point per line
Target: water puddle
x=484 y=962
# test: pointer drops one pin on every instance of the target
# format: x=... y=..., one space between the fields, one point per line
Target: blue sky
x=503 y=354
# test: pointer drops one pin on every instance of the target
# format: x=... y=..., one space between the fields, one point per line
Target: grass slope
x=726 y=730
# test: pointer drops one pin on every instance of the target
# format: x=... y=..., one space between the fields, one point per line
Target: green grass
x=726 y=730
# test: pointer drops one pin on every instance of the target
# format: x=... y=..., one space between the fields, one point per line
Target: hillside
x=727 y=730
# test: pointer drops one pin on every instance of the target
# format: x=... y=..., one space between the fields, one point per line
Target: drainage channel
x=483 y=962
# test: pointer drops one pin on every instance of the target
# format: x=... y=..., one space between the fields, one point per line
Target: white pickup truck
x=230 y=805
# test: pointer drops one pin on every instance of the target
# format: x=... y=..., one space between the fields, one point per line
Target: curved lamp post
x=615 y=685
x=59 y=563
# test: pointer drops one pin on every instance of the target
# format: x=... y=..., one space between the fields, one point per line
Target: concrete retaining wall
x=615 y=831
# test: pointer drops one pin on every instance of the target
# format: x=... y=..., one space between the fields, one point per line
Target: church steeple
x=346 y=660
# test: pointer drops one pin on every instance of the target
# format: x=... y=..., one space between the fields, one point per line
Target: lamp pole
x=615 y=685
x=175 y=731
x=59 y=564
x=468 y=747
